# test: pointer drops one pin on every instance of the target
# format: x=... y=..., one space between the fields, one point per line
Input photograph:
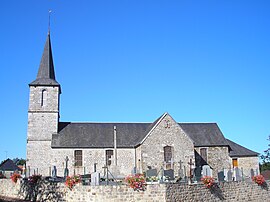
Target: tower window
x=43 y=97
x=78 y=157
x=109 y=154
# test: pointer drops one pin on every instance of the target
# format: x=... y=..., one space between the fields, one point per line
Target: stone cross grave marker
x=206 y=170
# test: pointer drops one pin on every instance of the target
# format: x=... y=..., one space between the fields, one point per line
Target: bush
x=34 y=179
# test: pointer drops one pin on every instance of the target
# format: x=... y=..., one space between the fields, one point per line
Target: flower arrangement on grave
x=208 y=181
x=72 y=181
x=136 y=182
x=15 y=176
x=152 y=179
x=259 y=179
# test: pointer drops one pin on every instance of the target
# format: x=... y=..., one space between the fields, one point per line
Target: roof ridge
x=102 y=122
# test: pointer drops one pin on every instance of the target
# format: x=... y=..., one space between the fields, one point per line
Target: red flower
x=72 y=181
x=259 y=179
x=15 y=176
x=208 y=181
x=136 y=182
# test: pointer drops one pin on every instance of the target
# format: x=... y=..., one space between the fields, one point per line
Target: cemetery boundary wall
x=227 y=191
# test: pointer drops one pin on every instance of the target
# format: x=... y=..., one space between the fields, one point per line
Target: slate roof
x=204 y=134
x=98 y=135
x=129 y=135
x=46 y=75
x=240 y=151
x=9 y=165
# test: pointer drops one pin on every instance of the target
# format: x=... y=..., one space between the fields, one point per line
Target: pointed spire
x=46 y=75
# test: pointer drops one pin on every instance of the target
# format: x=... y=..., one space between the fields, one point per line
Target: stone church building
x=124 y=147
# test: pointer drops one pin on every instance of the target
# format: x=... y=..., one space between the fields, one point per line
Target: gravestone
x=169 y=174
x=206 y=171
x=181 y=170
x=229 y=176
x=252 y=173
x=221 y=176
x=198 y=173
x=54 y=172
x=95 y=178
x=151 y=173
x=238 y=176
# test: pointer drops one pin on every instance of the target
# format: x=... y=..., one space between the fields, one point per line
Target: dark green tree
x=266 y=158
x=18 y=161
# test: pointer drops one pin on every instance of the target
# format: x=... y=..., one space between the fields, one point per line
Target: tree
x=266 y=158
x=18 y=161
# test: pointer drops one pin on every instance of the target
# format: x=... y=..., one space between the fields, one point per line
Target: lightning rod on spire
x=49 y=27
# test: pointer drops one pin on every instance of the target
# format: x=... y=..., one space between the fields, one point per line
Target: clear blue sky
x=131 y=61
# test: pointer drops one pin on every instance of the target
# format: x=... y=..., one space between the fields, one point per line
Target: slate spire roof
x=46 y=74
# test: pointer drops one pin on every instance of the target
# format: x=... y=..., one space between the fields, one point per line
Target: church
x=124 y=148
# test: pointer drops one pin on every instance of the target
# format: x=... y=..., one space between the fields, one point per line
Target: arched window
x=167 y=154
x=43 y=97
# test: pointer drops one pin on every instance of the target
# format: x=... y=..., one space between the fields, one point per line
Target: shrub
x=208 y=181
x=2 y=176
x=136 y=182
x=34 y=179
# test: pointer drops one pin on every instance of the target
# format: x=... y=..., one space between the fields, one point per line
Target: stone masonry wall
x=125 y=161
x=43 y=115
x=217 y=158
x=229 y=191
x=167 y=133
x=248 y=163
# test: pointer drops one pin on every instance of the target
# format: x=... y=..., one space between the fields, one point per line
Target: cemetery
x=159 y=185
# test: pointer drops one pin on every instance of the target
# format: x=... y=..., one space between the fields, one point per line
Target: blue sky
x=131 y=61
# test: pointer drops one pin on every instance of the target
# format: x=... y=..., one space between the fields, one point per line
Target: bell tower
x=43 y=113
